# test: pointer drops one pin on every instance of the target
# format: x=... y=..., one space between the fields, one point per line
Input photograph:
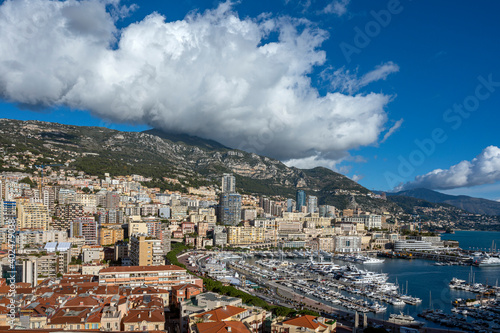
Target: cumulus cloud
x=345 y=81
x=337 y=7
x=483 y=169
x=211 y=74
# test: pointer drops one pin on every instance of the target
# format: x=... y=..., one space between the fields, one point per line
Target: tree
x=27 y=180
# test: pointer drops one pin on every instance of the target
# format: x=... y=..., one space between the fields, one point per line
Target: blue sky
x=435 y=55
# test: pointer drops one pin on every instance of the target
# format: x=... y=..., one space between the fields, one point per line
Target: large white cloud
x=483 y=169
x=212 y=74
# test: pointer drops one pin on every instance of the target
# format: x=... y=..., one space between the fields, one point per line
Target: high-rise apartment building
x=49 y=198
x=228 y=183
x=300 y=200
x=65 y=196
x=7 y=212
x=33 y=216
x=85 y=227
x=312 y=204
x=166 y=238
x=229 y=210
x=146 y=251
x=245 y=235
x=110 y=234
x=112 y=200
x=67 y=214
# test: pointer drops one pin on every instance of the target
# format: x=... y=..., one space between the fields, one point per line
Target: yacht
x=370 y=260
x=397 y=302
x=486 y=261
x=378 y=308
x=402 y=319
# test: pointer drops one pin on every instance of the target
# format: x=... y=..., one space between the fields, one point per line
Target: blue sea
x=475 y=240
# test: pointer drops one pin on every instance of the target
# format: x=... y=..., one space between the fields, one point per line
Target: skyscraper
x=7 y=212
x=312 y=204
x=228 y=183
x=229 y=210
x=300 y=200
x=86 y=227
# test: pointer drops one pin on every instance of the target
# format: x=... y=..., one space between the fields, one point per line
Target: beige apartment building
x=146 y=251
x=33 y=216
x=136 y=225
x=245 y=235
x=110 y=234
x=165 y=276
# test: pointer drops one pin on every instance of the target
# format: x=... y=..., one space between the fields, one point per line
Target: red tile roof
x=138 y=316
x=306 y=321
x=69 y=316
x=107 y=290
x=224 y=312
x=185 y=286
x=148 y=302
x=24 y=290
x=222 y=327
x=148 y=290
x=79 y=301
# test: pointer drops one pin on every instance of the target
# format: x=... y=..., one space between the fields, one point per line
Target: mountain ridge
x=467 y=203
x=194 y=161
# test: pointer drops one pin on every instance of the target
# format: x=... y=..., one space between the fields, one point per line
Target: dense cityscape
x=108 y=253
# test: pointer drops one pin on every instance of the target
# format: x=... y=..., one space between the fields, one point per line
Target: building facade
x=300 y=200
x=229 y=208
x=165 y=276
x=146 y=251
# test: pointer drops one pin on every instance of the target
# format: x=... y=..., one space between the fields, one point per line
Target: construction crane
x=41 y=167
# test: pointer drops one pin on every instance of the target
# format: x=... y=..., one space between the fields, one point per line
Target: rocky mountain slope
x=192 y=160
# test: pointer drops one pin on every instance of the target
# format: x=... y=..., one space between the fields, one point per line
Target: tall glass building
x=229 y=209
x=300 y=200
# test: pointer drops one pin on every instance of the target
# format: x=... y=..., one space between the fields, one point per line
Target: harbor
x=432 y=292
